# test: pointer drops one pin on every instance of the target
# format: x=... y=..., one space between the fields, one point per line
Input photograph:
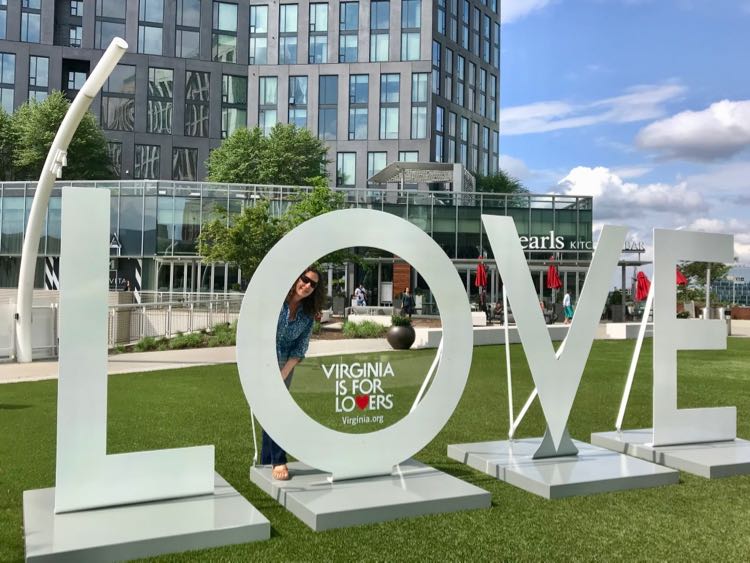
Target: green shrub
x=316 y=327
x=683 y=315
x=145 y=344
x=365 y=329
x=182 y=341
x=400 y=320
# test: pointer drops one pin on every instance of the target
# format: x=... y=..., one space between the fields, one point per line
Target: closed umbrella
x=481 y=278
x=553 y=278
x=681 y=279
x=642 y=285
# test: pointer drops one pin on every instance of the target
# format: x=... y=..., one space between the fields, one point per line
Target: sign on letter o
x=350 y=455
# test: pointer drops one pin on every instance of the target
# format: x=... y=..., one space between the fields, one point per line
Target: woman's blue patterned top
x=292 y=336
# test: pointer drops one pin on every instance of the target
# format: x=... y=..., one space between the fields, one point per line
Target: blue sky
x=644 y=104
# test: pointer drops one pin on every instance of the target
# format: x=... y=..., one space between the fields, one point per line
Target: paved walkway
x=173 y=359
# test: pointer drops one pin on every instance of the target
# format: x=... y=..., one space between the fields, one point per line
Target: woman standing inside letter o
x=302 y=304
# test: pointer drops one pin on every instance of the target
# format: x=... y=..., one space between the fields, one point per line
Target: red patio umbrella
x=481 y=278
x=642 y=285
x=681 y=279
x=553 y=278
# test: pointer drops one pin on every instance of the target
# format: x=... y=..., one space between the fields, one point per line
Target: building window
x=486 y=25
x=471 y=94
x=408 y=156
x=75 y=36
x=31 y=20
x=298 y=101
x=184 y=164
x=346 y=169
x=496 y=45
x=328 y=94
x=460 y=73
x=7 y=81
x=450 y=151
x=376 y=161
x=439 y=133
x=441 y=17
x=484 y=164
x=495 y=148
x=3 y=17
x=475 y=31
x=389 y=100
x=146 y=166
x=76 y=8
x=419 y=105
x=493 y=98
x=110 y=22
x=74 y=81
x=474 y=165
x=410 y=24
x=197 y=96
x=224 y=34
x=258 y=35
x=448 y=90
x=348 y=32
x=233 y=104
x=318 y=39
x=118 y=99
x=436 y=63
x=114 y=150
x=379 y=26
x=288 y=34
x=150 y=26
x=463 y=156
x=465 y=24
x=358 y=99
x=187 y=31
x=160 y=100
x=38 y=78
x=482 y=92
x=267 y=103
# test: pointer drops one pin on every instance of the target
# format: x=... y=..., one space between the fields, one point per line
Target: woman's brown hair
x=313 y=303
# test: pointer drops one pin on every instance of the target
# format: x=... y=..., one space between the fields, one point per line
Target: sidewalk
x=173 y=359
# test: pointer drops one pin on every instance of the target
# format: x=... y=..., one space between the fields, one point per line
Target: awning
x=422 y=173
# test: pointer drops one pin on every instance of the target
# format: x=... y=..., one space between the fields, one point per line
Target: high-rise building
x=379 y=81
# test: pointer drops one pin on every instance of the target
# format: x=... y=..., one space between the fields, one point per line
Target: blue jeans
x=270 y=452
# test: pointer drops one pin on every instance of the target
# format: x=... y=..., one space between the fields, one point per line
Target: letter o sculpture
x=350 y=455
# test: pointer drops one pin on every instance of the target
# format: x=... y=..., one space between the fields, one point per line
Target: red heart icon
x=362 y=401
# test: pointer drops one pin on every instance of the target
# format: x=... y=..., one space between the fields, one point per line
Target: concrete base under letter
x=139 y=530
x=413 y=489
x=593 y=470
x=710 y=460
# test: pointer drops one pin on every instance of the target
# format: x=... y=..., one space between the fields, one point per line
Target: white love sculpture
x=556 y=375
x=350 y=455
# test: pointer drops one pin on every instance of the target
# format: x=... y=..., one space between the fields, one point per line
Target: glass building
x=155 y=227
x=379 y=81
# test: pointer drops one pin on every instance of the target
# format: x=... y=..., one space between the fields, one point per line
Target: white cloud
x=514 y=166
x=720 y=131
x=637 y=104
x=514 y=10
x=627 y=172
x=729 y=180
x=616 y=199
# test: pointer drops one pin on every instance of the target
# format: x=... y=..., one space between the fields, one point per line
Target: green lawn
x=697 y=519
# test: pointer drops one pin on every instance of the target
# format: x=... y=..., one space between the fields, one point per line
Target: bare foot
x=280 y=472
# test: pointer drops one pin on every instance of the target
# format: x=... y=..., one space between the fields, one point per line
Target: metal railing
x=130 y=323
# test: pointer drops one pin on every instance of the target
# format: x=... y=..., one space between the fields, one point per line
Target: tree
x=237 y=160
x=500 y=183
x=244 y=242
x=696 y=271
x=290 y=155
x=7 y=146
x=251 y=235
x=35 y=125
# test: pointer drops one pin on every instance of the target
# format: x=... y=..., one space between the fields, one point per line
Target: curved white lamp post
x=56 y=159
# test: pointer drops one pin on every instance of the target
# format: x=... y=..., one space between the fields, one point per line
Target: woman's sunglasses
x=305 y=279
